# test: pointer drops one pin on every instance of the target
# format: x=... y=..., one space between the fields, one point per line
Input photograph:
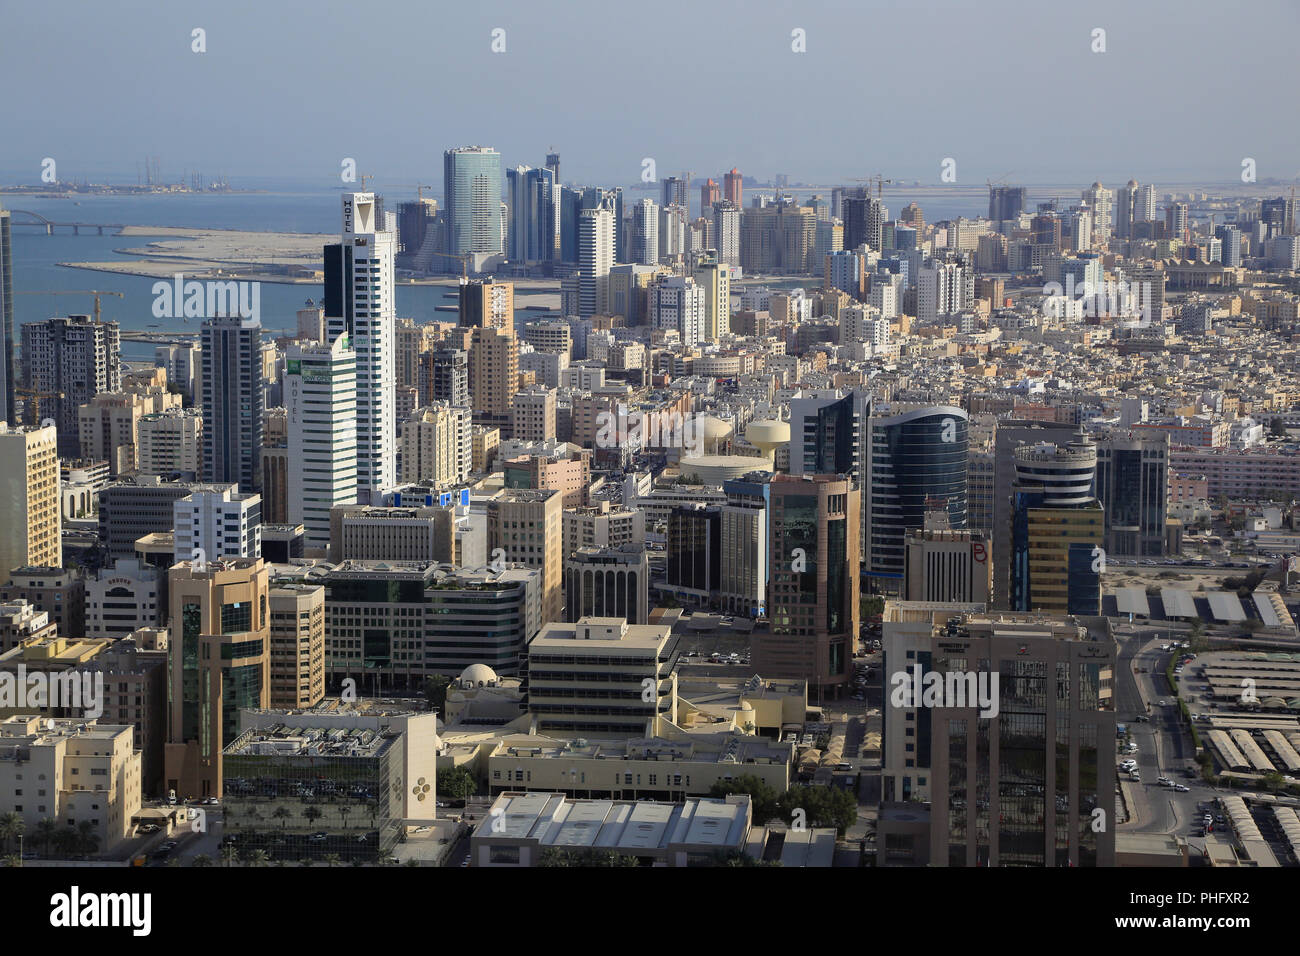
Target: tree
x=457 y=783
x=202 y=860
x=552 y=856
x=259 y=858
x=763 y=798
x=87 y=838
x=45 y=830
x=1272 y=781
x=435 y=691
x=312 y=814
x=333 y=859
x=230 y=854
x=282 y=814
x=343 y=812
x=821 y=806
x=11 y=828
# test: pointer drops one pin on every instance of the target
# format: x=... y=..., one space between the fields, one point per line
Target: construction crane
x=464 y=267
x=95 y=292
x=35 y=395
x=878 y=180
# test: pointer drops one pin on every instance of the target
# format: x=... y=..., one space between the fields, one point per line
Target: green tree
x=87 y=838
x=282 y=814
x=457 y=783
x=763 y=798
x=435 y=691
x=585 y=858
x=821 y=806
x=11 y=828
x=202 y=860
x=1272 y=781
x=230 y=854
x=45 y=830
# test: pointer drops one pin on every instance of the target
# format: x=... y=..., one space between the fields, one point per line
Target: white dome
x=478 y=675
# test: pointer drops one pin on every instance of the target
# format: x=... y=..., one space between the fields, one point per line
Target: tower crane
x=95 y=292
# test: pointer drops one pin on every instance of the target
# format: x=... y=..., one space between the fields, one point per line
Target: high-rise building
x=70 y=360
x=525 y=527
x=444 y=377
x=1176 y=221
x=709 y=194
x=693 y=560
x=1021 y=783
x=472 y=200
x=436 y=445
x=864 y=221
x=320 y=393
x=108 y=428
x=948 y=566
x=297 y=644
x=916 y=463
x=30 y=515
x=1058 y=529
x=493 y=374
x=533 y=197
x=596 y=249
x=733 y=187
x=219 y=523
x=1101 y=201
x=232 y=396
x=220 y=664
x=940 y=291
x=533 y=414
x=1133 y=488
x=8 y=370
x=359 y=302
x=643 y=244
x=172 y=442
x=674 y=191
x=714 y=277
x=742 y=586
x=676 y=303
x=813 y=594
x=726 y=232
x=608 y=582
x=1006 y=202
x=1231 y=238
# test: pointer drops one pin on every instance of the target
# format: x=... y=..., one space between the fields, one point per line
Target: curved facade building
x=916 y=463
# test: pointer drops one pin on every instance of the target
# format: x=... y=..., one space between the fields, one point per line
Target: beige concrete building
x=73 y=771
x=220 y=664
x=486 y=304
x=533 y=414
x=60 y=591
x=29 y=499
x=484 y=440
x=946 y=565
x=525 y=527
x=493 y=374
x=401 y=535
x=21 y=623
x=437 y=447
x=602 y=525
x=297 y=613
x=170 y=441
x=109 y=429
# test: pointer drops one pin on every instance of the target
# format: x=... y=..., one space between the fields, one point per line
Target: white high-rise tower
x=359 y=302
x=320 y=393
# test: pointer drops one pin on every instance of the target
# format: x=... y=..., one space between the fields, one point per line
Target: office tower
x=813 y=594
x=436 y=445
x=1020 y=787
x=726 y=232
x=710 y=193
x=672 y=233
x=713 y=276
x=493 y=374
x=416 y=223
x=218 y=523
x=916 y=463
x=827 y=432
x=533 y=199
x=948 y=566
x=1231 y=237
x=864 y=221
x=596 y=249
x=359 y=302
x=1133 y=489
x=444 y=377
x=940 y=291
x=232 y=401
x=69 y=360
x=29 y=499
x=643 y=244
x=607 y=582
x=676 y=303
x=553 y=164
x=486 y=304
x=533 y=414
x=1006 y=202
x=778 y=238
x=108 y=429
x=1101 y=201
x=220 y=664
x=1279 y=215
x=693 y=552
x=124 y=597
x=8 y=370
x=1124 y=206
x=1176 y=221
x=846 y=270
x=744 y=527
x=525 y=527
x=1058 y=529
x=1144 y=204
x=472 y=200
x=733 y=184
x=297 y=645
x=171 y=442
x=612 y=655
x=321 y=399
x=1010 y=435
x=674 y=192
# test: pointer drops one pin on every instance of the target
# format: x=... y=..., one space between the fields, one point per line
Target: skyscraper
x=472 y=199
x=1133 y=488
x=526 y=526
x=733 y=187
x=709 y=194
x=232 y=401
x=8 y=409
x=643 y=243
x=533 y=197
x=677 y=303
x=320 y=392
x=916 y=463
x=726 y=232
x=485 y=304
x=1006 y=202
x=70 y=359
x=595 y=258
x=714 y=277
x=359 y=303
x=30 y=515
x=1101 y=201
x=813 y=601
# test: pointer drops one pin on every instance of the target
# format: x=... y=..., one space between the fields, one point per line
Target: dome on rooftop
x=478 y=675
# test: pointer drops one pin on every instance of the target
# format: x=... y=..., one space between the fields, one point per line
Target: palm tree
x=45 y=830
x=201 y=860
x=12 y=859
x=312 y=814
x=11 y=827
x=282 y=814
x=66 y=841
x=229 y=854
x=87 y=838
x=343 y=812
x=259 y=858
x=332 y=859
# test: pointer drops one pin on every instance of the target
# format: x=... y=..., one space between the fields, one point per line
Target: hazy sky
x=286 y=90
